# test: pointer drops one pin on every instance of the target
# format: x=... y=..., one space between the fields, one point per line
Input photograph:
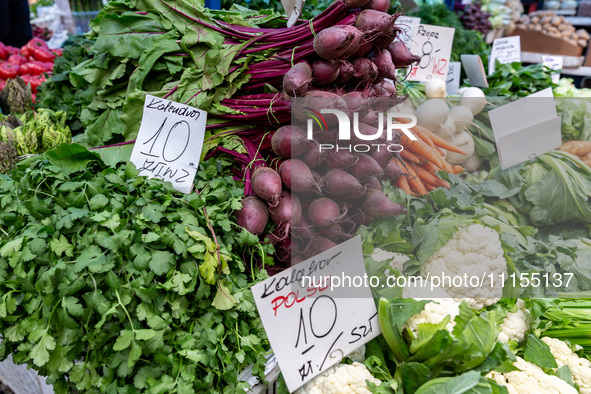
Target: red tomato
x=26 y=78
x=8 y=70
x=49 y=66
x=43 y=55
x=36 y=81
x=26 y=51
x=17 y=59
x=37 y=68
x=25 y=69
x=12 y=50
x=57 y=52
x=36 y=43
x=2 y=84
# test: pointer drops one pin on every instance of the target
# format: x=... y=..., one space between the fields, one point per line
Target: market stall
x=366 y=200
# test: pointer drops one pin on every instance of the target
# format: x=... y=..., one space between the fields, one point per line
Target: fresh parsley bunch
x=111 y=282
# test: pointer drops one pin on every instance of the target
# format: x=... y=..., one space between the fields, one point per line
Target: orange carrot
x=415 y=181
x=440 y=142
x=432 y=168
x=407 y=154
x=421 y=148
x=430 y=179
x=402 y=183
x=457 y=169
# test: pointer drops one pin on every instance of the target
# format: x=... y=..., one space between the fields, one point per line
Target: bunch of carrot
x=422 y=159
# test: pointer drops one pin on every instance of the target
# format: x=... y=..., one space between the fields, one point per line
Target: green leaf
x=71 y=158
x=208 y=269
x=565 y=374
x=123 y=340
x=98 y=201
x=150 y=237
x=144 y=335
x=61 y=246
x=223 y=300
x=11 y=247
x=72 y=305
x=134 y=354
x=538 y=352
x=161 y=262
x=154 y=212
x=40 y=352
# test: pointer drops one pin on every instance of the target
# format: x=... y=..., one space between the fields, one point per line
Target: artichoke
x=8 y=156
x=53 y=137
x=26 y=141
x=16 y=98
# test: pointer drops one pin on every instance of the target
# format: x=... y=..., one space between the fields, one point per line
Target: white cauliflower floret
x=530 y=379
x=397 y=259
x=434 y=313
x=340 y=379
x=474 y=252
x=516 y=324
x=358 y=354
x=579 y=367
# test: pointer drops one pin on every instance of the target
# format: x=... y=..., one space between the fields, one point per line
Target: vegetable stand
x=167 y=174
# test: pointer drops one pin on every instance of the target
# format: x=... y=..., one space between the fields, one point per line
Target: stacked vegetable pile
x=30 y=63
x=504 y=13
x=473 y=17
x=547 y=22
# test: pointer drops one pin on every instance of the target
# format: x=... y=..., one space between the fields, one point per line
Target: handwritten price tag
x=553 y=63
x=313 y=316
x=169 y=143
x=433 y=45
x=505 y=50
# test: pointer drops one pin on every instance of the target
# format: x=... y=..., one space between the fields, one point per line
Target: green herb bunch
x=111 y=282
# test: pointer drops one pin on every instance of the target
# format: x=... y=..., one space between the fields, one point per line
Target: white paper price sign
x=453 y=77
x=553 y=63
x=505 y=50
x=169 y=143
x=409 y=25
x=433 y=45
x=311 y=320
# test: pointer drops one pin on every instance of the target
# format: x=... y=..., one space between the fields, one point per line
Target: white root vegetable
x=474 y=99
x=462 y=117
x=473 y=163
x=432 y=114
x=465 y=142
x=447 y=130
x=435 y=88
x=405 y=107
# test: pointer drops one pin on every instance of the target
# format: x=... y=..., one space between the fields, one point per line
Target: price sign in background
x=433 y=45
x=169 y=142
x=409 y=25
x=453 y=77
x=505 y=50
x=553 y=63
x=312 y=328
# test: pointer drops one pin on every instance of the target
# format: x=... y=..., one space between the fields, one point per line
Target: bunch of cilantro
x=111 y=282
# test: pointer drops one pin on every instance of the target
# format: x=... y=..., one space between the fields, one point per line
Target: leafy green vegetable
x=517 y=80
x=538 y=352
x=469 y=383
x=111 y=282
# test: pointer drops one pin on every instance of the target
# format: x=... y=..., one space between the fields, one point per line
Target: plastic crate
x=82 y=20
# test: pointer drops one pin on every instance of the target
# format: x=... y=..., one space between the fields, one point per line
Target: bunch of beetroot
x=317 y=199
x=473 y=17
x=362 y=58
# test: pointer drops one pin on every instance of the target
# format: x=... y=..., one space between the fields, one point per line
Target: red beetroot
x=381 y=156
x=325 y=72
x=356 y=3
x=341 y=185
x=377 y=204
x=392 y=171
x=346 y=72
x=324 y=212
x=358 y=40
x=365 y=71
x=401 y=56
x=289 y=141
x=266 y=184
x=313 y=156
x=333 y=42
x=373 y=183
x=253 y=215
x=366 y=168
x=372 y=21
x=378 y=5
x=342 y=159
x=383 y=61
x=297 y=177
x=288 y=209
x=297 y=80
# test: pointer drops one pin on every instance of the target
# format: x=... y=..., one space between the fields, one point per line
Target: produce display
x=115 y=282
x=548 y=23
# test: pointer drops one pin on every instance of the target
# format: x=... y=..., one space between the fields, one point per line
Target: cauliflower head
x=434 y=313
x=340 y=379
x=473 y=251
x=530 y=379
x=516 y=324
x=397 y=260
x=579 y=367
